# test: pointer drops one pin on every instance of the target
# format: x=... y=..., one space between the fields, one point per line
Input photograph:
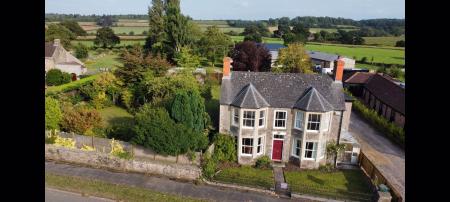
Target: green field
x=90 y=43
x=109 y=60
x=383 y=41
x=265 y=39
x=331 y=30
x=126 y=30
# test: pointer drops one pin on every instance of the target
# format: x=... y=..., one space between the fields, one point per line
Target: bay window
x=299 y=120
x=280 y=119
x=311 y=150
x=247 y=146
x=249 y=118
x=314 y=122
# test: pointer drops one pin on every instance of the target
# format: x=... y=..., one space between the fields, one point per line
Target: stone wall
x=103 y=160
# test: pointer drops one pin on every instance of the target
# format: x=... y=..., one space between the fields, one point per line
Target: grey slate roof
x=322 y=56
x=249 y=98
x=313 y=101
x=280 y=90
x=273 y=46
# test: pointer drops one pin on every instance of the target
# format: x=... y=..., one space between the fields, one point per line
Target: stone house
x=380 y=92
x=289 y=117
x=326 y=62
x=56 y=57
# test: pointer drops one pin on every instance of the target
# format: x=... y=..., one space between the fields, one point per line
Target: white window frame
x=302 y=125
x=275 y=119
x=312 y=158
x=307 y=122
x=263 y=118
x=261 y=145
x=243 y=119
x=242 y=146
x=233 y=115
x=294 y=147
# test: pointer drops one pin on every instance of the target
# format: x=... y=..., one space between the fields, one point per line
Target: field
x=383 y=41
x=96 y=61
x=122 y=42
x=265 y=39
x=124 y=30
x=331 y=30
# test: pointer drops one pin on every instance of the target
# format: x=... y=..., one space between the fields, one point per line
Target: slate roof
x=322 y=56
x=387 y=91
x=273 y=46
x=49 y=49
x=359 y=78
x=249 y=98
x=313 y=101
x=281 y=90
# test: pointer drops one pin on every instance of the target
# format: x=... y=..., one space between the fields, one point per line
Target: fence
x=375 y=174
x=139 y=152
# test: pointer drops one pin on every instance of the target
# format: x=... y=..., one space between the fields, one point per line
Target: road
x=387 y=157
x=160 y=184
x=54 y=195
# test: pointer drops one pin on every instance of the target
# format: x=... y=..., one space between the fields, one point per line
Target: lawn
x=110 y=60
x=90 y=43
x=342 y=184
x=212 y=106
x=113 y=114
x=264 y=39
x=247 y=176
x=383 y=41
x=109 y=190
x=379 y=54
x=72 y=85
x=331 y=30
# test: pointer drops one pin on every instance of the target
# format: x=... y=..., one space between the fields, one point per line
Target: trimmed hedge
x=72 y=85
x=395 y=133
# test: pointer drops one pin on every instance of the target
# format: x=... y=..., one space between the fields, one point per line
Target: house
x=289 y=117
x=325 y=61
x=56 y=57
x=380 y=92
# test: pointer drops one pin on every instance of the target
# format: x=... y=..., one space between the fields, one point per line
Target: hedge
x=72 y=85
x=392 y=131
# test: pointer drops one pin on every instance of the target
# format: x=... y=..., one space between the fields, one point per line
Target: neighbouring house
x=325 y=61
x=289 y=117
x=380 y=92
x=273 y=49
x=56 y=57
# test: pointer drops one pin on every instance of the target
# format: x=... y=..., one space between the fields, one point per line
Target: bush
x=118 y=151
x=56 y=77
x=263 y=162
x=81 y=120
x=81 y=51
x=53 y=114
x=327 y=168
x=225 y=148
x=121 y=129
x=55 y=139
x=364 y=59
x=209 y=166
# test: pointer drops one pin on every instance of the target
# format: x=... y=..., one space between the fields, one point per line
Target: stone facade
x=103 y=160
x=288 y=134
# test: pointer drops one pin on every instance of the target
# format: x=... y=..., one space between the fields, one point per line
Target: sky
x=241 y=9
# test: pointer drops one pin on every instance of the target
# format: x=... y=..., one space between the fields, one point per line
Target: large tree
x=57 y=31
x=252 y=33
x=294 y=59
x=175 y=28
x=249 y=56
x=215 y=44
x=105 y=37
x=299 y=33
x=156 y=15
x=187 y=58
x=74 y=27
x=188 y=108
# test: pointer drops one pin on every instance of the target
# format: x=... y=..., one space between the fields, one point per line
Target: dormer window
x=313 y=122
x=249 y=119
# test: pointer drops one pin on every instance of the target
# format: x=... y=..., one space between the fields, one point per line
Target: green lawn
x=247 y=176
x=109 y=190
x=383 y=41
x=331 y=30
x=125 y=29
x=72 y=85
x=212 y=106
x=379 y=54
x=90 y=43
x=342 y=184
x=108 y=60
x=113 y=114
x=265 y=39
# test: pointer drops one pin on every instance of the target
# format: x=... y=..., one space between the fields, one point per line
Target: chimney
x=56 y=42
x=227 y=67
x=338 y=70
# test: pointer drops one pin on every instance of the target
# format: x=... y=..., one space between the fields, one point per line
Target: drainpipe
x=338 y=137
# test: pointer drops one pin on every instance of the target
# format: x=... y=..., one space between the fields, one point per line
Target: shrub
x=53 y=114
x=63 y=142
x=191 y=155
x=364 y=59
x=263 y=162
x=81 y=120
x=209 y=166
x=81 y=51
x=118 y=151
x=327 y=168
x=122 y=129
x=87 y=148
x=56 y=77
x=225 y=148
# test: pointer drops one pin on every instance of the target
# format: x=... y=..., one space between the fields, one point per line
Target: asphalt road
x=387 y=156
x=54 y=195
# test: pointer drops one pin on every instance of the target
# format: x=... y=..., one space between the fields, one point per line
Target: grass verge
x=342 y=184
x=247 y=176
x=109 y=190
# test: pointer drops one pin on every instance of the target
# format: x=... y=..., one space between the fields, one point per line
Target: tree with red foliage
x=250 y=56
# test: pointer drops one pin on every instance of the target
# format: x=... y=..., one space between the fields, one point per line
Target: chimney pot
x=227 y=67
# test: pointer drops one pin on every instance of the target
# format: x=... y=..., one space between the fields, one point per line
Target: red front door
x=277 y=150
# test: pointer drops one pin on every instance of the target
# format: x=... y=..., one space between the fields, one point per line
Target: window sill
x=312 y=131
x=309 y=159
x=293 y=155
x=247 y=155
x=279 y=128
